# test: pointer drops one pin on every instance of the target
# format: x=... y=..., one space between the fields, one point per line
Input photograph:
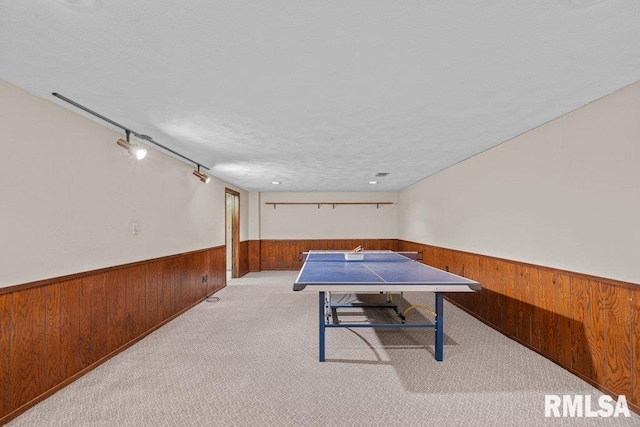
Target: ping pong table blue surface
x=376 y=268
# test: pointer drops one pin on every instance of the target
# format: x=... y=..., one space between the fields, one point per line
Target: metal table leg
x=321 y=324
x=439 y=327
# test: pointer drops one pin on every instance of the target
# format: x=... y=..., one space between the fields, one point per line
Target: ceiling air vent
x=382 y=174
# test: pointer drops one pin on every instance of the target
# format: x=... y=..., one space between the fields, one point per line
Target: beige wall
x=565 y=195
x=244 y=212
x=343 y=222
x=254 y=216
x=69 y=196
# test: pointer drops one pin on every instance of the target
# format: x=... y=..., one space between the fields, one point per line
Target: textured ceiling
x=323 y=95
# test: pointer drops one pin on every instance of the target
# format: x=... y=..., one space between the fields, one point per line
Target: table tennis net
x=368 y=256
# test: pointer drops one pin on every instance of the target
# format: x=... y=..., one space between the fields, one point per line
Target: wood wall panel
x=166 y=289
x=134 y=302
x=69 y=327
x=5 y=352
x=185 y=280
x=27 y=347
x=285 y=254
x=217 y=270
x=52 y=338
x=243 y=249
x=201 y=287
x=496 y=303
x=562 y=283
x=617 y=324
x=117 y=282
x=596 y=333
x=429 y=255
x=537 y=308
x=176 y=277
x=254 y=255
x=471 y=270
x=547 y=318
x=523 y=303
x=98 y=314
x=84 y=344
x=456 y=264
x=445 y=260
x=580 y=319
x=586 y=324
x=55 y=330
x=279 y=255
x=212 y=258
x=511 y=319
x=198 y=287
x=153 y=302
x=485 y=305
x=554 y=323
x=635 y=345
x=192 y=279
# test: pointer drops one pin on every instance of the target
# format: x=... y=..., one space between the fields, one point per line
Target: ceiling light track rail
x=127 y=130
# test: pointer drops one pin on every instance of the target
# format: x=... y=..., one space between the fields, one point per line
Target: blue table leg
x=321 y=324
x=439 y=328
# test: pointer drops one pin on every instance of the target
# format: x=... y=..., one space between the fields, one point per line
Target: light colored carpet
x=251 y=359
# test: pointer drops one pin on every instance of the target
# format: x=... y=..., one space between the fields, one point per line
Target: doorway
x=232 y=232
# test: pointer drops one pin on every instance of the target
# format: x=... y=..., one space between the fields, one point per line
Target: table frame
x=325 y=314
x=438 y=286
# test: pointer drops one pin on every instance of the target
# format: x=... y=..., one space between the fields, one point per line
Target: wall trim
x=614 y=282
x=43 y=282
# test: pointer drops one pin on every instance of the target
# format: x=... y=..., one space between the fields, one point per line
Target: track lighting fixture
x=201 y=176
x=133 y=149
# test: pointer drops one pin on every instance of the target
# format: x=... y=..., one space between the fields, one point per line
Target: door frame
x=235 y=230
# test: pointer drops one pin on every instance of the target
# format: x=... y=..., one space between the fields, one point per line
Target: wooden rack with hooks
x=333 y=204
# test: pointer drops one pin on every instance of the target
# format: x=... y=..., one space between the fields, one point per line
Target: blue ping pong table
x=384 y=272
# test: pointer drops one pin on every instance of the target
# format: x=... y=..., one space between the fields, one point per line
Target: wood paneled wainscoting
x=583 y=323
x=254 y=255
x=54 y=331
x=285 y=254
x=243 y=267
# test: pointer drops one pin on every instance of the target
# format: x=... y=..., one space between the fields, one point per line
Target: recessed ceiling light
x=373 y=182
x=276 y=182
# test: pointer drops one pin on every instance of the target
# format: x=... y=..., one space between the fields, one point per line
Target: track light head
x=141 y=153
x=202 y=176
x=134 y=149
